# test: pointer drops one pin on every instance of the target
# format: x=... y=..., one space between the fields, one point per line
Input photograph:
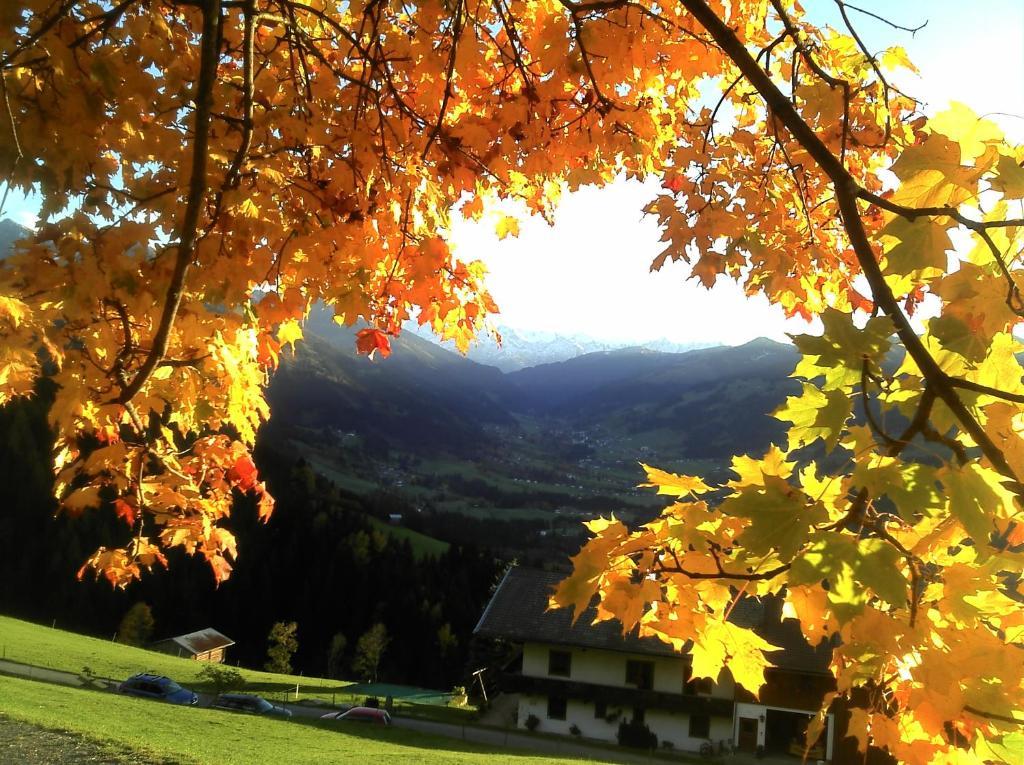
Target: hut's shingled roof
x=201 y=641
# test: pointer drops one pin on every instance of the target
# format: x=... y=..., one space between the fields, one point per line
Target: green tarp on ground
x=405 y=693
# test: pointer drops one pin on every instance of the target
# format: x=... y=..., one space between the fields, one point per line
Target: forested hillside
x=714 y=402
x=322 y=560
x=422 y=397
x=426 y=398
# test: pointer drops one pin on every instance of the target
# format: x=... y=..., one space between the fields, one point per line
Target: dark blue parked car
x=157 y=687
x=250 y=704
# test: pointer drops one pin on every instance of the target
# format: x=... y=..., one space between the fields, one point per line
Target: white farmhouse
x=584 y=679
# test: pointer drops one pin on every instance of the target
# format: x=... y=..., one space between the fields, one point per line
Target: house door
x=747 y=739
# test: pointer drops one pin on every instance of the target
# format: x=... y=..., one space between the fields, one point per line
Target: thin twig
x=449 y=76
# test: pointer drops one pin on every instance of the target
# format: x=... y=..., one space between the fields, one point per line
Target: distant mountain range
x=521 y=348
x=10 y=232
x=706 y=403
x=421 y=396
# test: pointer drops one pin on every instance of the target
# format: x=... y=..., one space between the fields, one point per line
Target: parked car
x=151 y=686
x=360 y=714
x=250 y=704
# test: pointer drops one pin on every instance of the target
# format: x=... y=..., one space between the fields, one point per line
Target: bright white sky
x=589 y=273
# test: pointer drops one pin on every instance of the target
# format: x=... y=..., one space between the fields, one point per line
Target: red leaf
x=369 y=341
x=674 y=183
x=125 y=509
x=858 y=301
x=269 y=351
x=243 y=473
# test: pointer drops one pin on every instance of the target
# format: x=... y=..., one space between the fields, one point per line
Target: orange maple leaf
x=371 y=340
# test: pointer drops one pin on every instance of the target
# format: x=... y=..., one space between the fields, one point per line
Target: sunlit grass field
x=135 y=729
x=41 y=646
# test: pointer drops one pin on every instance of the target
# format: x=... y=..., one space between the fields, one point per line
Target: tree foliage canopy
x=281 y=645
x=194 y=153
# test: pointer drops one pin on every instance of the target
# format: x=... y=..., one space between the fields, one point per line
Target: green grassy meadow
x=143 y=728
x=421 y=544
x=41 y=646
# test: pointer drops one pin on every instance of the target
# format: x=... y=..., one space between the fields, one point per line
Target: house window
x=640 y=674
x=700 y=686
x=638 y=715
x=600 y=710
x=556 y=708
x=560 y=663
x=700 y=726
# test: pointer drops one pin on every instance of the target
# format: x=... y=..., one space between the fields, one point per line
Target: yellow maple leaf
x=961 y=124
x=673 y=484
x=507 y=226
x=13 y=310
x=248 y=209
x=288 y=332
x=82 y=499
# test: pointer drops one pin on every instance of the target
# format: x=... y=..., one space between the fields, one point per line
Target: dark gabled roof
x=764 y=616
x=518 y=612
x=199 y=642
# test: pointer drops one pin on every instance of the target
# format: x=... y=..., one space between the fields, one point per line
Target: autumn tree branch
x=847 y=191
x=249 y=13
x=576 y=10
x=1014 y=300
x=894 y=25
x=677 y=568
x=48 y=23
x=449 y=74
x=994 y=716
x=832 y=82
x=958 y=382
x=197 y=190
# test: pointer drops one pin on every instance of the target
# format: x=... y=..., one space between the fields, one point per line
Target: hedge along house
x=589 y=677
x=204 y=645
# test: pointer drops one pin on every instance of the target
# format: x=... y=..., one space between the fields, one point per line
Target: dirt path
x=39 y=673
x=23 y=743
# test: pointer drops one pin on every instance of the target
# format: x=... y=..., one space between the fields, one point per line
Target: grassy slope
x=421 y=544
x=182 y=734
x=41 y=646
x=34 y=644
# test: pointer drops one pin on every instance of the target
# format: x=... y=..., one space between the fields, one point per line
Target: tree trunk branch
x=847 y=191
x=197 y=190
